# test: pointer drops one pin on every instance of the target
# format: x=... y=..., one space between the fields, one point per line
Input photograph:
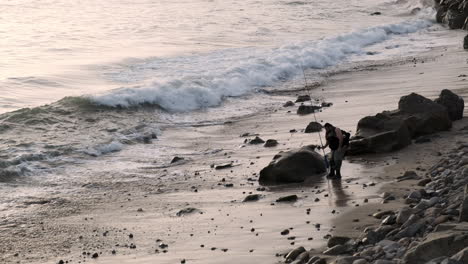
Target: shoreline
x=147 y=194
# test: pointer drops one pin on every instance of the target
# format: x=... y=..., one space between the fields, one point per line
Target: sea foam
x=207 y=88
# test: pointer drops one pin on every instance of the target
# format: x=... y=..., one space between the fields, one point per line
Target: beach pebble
x=289 y=198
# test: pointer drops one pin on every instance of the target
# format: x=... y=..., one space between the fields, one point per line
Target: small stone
x=285 y=232
x=289 y=198
x=95 y=255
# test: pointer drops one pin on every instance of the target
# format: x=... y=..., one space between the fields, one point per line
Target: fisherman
x=338 y=142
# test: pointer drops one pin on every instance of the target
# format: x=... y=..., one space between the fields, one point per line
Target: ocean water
x=81 y=79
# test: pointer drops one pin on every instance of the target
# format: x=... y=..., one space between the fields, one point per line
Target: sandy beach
x=134 y=220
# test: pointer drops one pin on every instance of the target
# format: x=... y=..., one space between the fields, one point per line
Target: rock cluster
x=431 y=229
x=416 y=116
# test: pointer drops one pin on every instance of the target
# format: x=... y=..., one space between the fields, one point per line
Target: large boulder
x=454 y=104
x=393 y=130
x=436 y=245
x=380 y=133
x=293 y=167
x=423 y=115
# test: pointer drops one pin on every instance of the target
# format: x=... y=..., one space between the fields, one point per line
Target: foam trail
x=209 y=88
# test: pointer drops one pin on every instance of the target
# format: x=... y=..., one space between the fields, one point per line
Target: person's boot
x=338 y=173
x=332 y=173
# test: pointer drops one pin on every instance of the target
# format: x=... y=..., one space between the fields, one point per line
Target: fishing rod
x=327 y=164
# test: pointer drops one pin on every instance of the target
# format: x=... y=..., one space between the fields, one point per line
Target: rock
x=187 y=211
x=307 y=109
x=95 y=255
x=415 y=195
x=423 y=182
x=464 y=207
x=270 y=143
x=380 y=215
x=336 y=250
x=252 y=198
x=404 y=214
x=454 y=104
x=303 y=98
x=436 y=245
x=337 y=240
x=302 y=258
x=313 y=127
x=345 y=260
x=223 y=166
x=291 y=256
x=380 y=133
x=461 y=256
x=454 y=19
x=423 y=116
x=465 y=42
x=376 y=14
x=176 y=159
x=293 y=167
x=360 y=261
x=288 y=104
x=389 y=220
x=285 y=232
x=393 y=130
x=408 y=175
x=256 y=140
x=384 y=261
x=289 y=198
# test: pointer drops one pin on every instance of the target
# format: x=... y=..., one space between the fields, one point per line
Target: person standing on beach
x=338 y=142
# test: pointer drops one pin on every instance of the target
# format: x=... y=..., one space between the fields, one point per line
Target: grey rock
x=360 y=261
x=461 y=256
x=436 y=245
x=288 y=104
x=336 y=250
x=337 y=240
x=345 y=260
x=291 y=256
x=464 y=206
x=404 y=214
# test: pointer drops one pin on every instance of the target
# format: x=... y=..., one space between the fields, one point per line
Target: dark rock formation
x=307 y=109
x=271 y=143
x=313 y=127
x=393 y=130
x=302 y=98
x=454 y=104
x=293 y=166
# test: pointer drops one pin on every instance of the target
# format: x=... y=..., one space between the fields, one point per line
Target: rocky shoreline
x=430 y=227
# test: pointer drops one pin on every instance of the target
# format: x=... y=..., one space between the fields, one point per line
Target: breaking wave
x=251 y=70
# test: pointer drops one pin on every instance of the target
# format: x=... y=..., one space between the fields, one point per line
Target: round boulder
x=293 y=167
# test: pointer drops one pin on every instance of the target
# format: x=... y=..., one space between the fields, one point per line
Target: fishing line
x=327 y=164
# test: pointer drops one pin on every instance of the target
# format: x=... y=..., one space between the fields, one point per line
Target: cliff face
x=454 y=13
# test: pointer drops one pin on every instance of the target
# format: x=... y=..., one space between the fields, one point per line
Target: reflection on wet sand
x=341 y=197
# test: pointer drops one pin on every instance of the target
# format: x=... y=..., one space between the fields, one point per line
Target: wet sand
x=101 y=216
